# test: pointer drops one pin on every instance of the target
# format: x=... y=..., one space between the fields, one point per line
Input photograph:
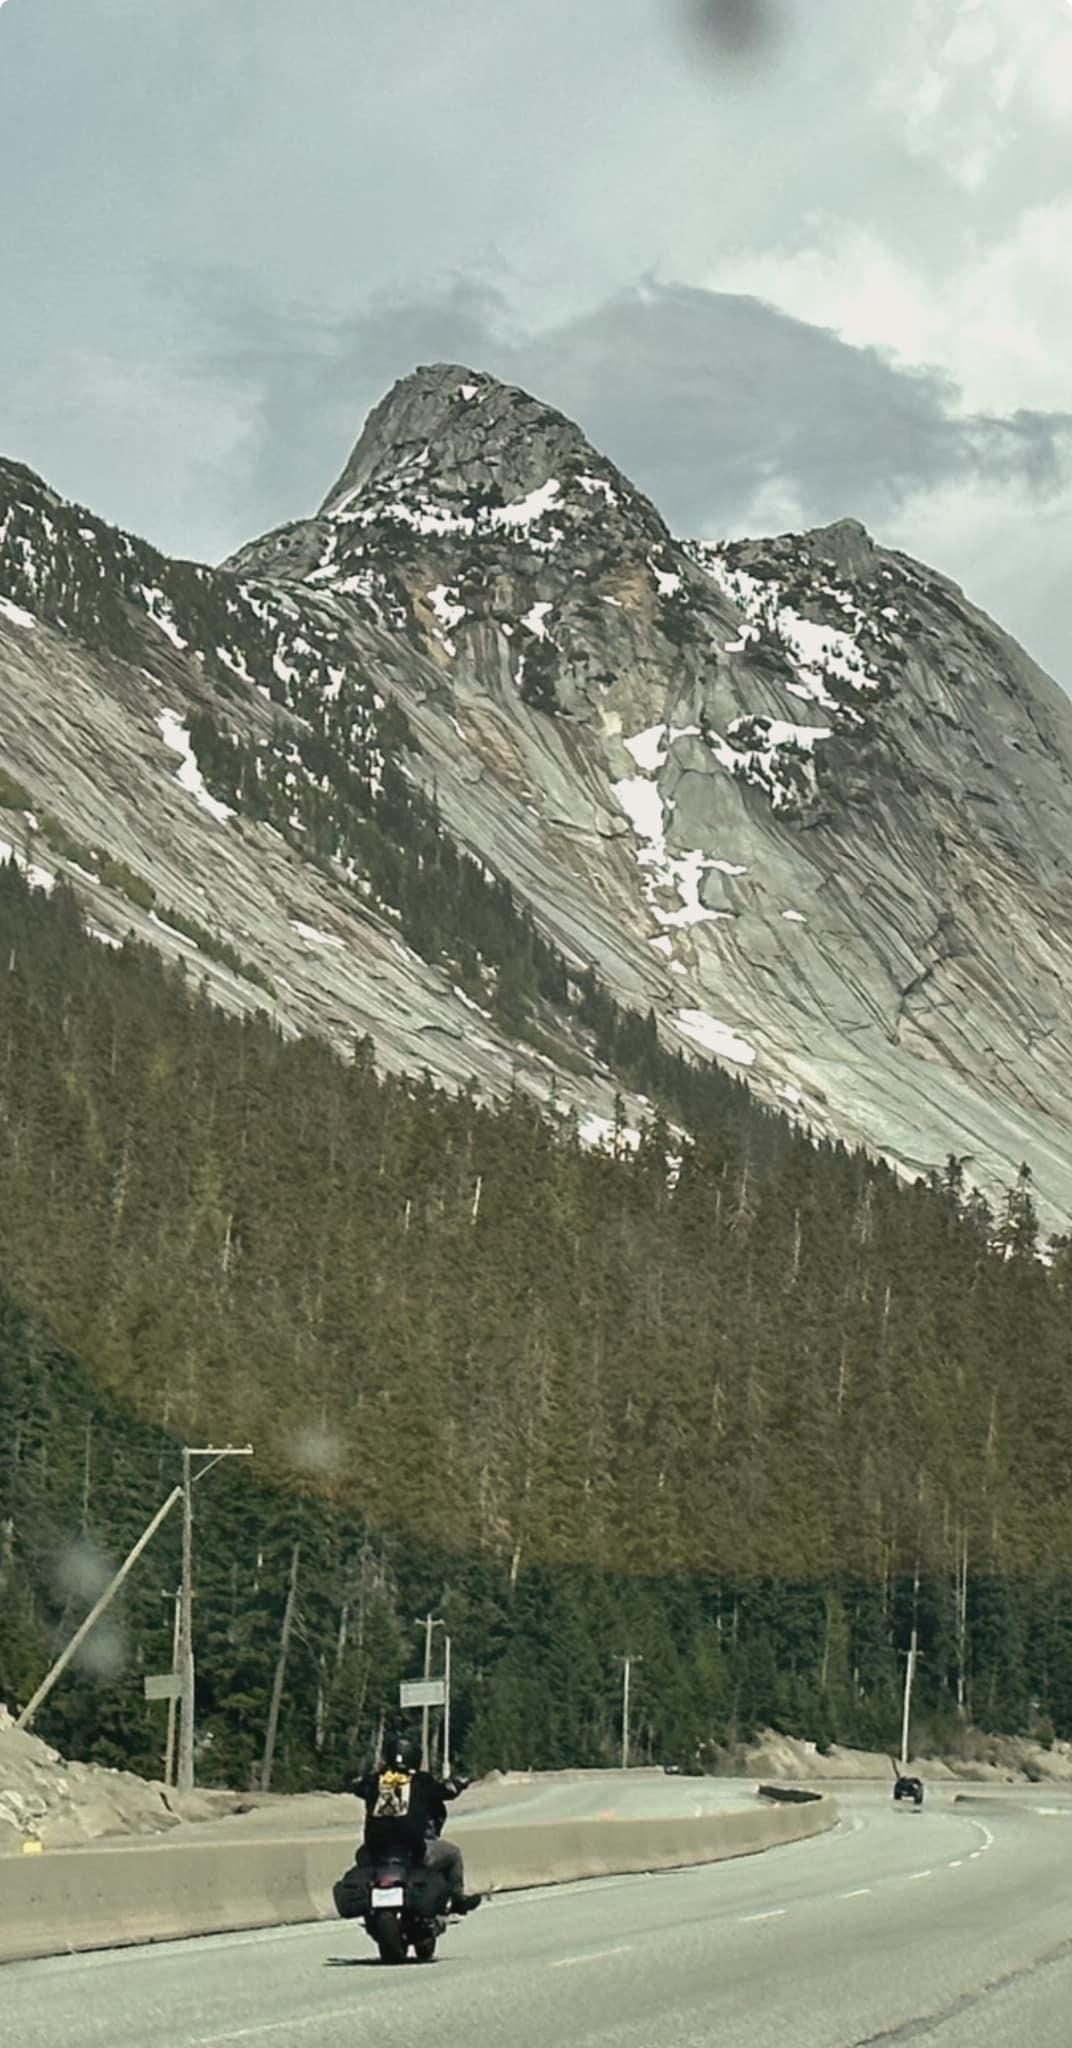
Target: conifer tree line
x=749 y=1414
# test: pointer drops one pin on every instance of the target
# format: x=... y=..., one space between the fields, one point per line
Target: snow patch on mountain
x=836 y=667
x=668 y=580
x=647 y=811
x=449 y=611
x=593 y=486
x=177 y=739
x=38 y=877
x=717 y=1038
x=605 y=1135
x=161 y=614
x=535 y=616
x=312 y=936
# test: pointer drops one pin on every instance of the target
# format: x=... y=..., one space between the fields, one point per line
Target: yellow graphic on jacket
x=392 y=1795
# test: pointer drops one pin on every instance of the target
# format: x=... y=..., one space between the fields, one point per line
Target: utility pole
x=428 y=1622
x=280 y=1672
x=444 y=1762
x=185 y=1659
x=910 y=1670
x=627 y=1662
x=169 y=1747
x=95 y=1612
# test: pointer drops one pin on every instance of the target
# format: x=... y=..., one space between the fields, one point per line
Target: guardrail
x=67 y=1900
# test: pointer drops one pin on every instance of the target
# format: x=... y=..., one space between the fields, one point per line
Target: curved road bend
x=952 y=1927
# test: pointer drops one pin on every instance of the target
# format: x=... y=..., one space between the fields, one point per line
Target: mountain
x=482 y=762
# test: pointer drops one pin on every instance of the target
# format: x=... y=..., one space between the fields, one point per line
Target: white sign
x=167 y=1687
x=422 y=1692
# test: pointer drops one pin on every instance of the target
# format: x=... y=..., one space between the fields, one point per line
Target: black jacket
x=425 y=1802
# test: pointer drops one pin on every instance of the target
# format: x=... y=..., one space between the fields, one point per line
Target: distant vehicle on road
x=908 y=1788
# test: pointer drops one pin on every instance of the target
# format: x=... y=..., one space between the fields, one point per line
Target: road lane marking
x=914 y=1874
x=957 y=1863
x=595 y=1955
x=776 y=1913
x=862 y=1891
x=309 y=2019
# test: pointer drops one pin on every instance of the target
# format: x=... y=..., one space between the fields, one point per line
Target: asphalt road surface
x=595 y=1795
x=951 y=1926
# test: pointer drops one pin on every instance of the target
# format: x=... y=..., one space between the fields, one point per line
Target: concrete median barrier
x=790 y=1795
x=68 y=1900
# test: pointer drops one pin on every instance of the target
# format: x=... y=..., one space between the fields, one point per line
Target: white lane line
x=916 y=1874
x=290 y=2026
x=863 y=1891
x=777 y=1913
x=595 y=1955
x=957 y=1863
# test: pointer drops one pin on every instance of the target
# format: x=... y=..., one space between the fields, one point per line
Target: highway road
x=951 y=1927
x=598 y=1795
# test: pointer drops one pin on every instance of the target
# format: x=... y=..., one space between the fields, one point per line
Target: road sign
x=422 y=1692
x=167 y=1687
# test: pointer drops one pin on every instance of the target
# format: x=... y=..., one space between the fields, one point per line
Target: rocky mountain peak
x=449 y=448
x=847 y=546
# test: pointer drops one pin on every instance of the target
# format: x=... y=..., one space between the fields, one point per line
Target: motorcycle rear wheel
x=388 y=1937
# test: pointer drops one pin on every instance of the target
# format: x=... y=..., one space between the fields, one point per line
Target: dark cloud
x=711 y=398
x=712 y=402
x=734 y=28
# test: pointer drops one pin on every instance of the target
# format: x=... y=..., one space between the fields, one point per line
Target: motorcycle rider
x=405 y=1808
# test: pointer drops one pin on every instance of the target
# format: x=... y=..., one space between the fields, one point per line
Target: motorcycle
x=403 y=1906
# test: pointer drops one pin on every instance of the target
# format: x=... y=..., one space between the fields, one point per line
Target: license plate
x=388 y=1895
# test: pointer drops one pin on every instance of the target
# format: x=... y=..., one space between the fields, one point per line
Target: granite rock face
x=797 y=795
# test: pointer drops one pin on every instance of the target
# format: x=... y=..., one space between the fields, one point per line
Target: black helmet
x=401 y=1754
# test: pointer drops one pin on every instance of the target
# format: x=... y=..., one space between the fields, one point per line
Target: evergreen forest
x=746 y=1406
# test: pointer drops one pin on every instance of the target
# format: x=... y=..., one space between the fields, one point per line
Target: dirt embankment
x=981 y=1759
x=43 y=1798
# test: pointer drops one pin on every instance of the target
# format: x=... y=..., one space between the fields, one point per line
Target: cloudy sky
x=785 y=260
